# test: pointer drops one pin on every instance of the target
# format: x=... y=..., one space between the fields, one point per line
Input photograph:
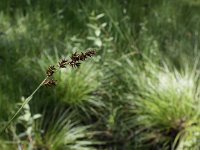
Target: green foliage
x=165 y=104
x=126 y=97
x=63 y=133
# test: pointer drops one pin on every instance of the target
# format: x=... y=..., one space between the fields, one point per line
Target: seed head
x=82 y=56
x=74 y=64
x=50 y=82
x=75 y=57
x=62 y=63
x=90 y=53
x=50 y=71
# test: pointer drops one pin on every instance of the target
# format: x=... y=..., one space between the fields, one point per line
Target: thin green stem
x=22 y=106
x=38 y=87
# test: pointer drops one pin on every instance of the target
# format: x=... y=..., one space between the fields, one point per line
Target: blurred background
x=140 y=92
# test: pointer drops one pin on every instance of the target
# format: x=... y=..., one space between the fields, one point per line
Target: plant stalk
x=23 y=104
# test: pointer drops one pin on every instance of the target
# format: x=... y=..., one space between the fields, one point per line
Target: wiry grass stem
x=74 y=62
x=27 y=100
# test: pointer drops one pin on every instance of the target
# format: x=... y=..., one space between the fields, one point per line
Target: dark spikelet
x=50 y=71
x=50 y=82
x=82 y=56
x=62 y=63
x=75 y=57
x=90 y=53
x=78 y=65
x=74 y=64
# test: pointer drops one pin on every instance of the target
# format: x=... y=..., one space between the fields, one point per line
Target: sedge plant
x=74 y=62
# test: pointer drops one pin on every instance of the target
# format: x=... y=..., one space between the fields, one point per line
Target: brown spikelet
x=62 y=63
x=50 y=71
x=82 y=56
x=90 y=53
x=50 y=82
x=74 y=64
x=75 y=57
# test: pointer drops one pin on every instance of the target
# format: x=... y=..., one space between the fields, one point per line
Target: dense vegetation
x=140 y=92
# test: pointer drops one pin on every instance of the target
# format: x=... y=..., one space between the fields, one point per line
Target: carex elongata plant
x=74 y=61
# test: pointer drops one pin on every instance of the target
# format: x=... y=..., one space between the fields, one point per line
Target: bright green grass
x=165 y=104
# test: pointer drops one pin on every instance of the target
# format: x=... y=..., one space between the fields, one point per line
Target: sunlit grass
x=167 y=104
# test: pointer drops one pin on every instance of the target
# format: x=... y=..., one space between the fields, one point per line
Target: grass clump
x=167 y=106
x=63 y=132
